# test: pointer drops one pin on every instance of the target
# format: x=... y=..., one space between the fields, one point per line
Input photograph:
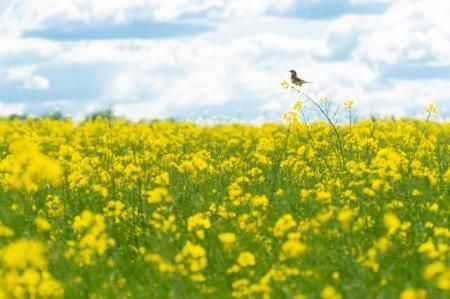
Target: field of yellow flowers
x=108 y=208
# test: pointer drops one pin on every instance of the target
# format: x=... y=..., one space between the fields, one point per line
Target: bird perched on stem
x=296 y=80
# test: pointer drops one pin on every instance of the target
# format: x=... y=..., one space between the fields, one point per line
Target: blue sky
x=221 y=58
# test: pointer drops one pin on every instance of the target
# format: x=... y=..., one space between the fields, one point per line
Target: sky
x=222 y=59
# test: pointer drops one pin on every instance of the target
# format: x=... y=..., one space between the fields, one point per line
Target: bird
x=296 y=80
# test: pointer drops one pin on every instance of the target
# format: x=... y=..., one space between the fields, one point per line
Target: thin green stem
x=416 y=147
x=333 y=125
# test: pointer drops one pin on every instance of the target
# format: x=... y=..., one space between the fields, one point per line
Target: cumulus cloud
x=30 y=14
x=421 y=26
x=391 y=57
x=7 y=109
x=25 y=74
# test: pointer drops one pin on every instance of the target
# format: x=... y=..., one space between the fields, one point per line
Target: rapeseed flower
x=246 y=259
x=413 y=294
x=227 y=238
x=330 y=292
x=391 y=222
x=227 y=210
x=283 y=224
x=42 y=224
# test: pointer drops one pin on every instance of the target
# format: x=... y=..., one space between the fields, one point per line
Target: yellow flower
x=431 y=108
x=246 y=259
x=5 y=231
x=323 y=196
x=283 y=224
x=434 y=207
x=227 y=238
x=28 y=169
x=163 y=179
x=335 y=275
x=447 y=175
x=191 y=260
x=329 y=292
x=115 y=209
x=156 y=259
x=298 y=105
x=416 y=192
x=92 y=239
x=55 y=207
x=443 y=281
x=42 y=224
x=24 y=253
x=391 y=222
x=158 y=195
x=428 y=248
x=284 y=84
x=199 y=220
x=413 y=294
x=382 y=244
x=290 y=116
x=24 y=273
x=260 y=201
x=433 y=269
x=197 y=277
x=368 y=191
x=345 y=216
x=348 y=105
x=292 y=249
x=429 y=224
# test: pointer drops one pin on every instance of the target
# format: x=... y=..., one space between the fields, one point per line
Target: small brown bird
x=296 y=80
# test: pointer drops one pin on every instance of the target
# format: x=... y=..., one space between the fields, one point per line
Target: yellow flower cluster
x=5 y=231
x=26 y=168
x=24 y=271
x=292 y=248
x=413 y=294
x=246 y=259
x=191 y=261
x=42 y=224
x=227 y=239
x=55 y=207
x=158 y=195
x=199 y=222
x=437 y=270
x=283 y=224
x=109 y=208
x=92 y=239
x=115 y=209
x=156 y=259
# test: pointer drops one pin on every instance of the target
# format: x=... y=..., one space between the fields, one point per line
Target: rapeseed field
x=108 y=208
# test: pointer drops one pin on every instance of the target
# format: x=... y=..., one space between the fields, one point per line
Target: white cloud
x=250 y=8
x=8 y=108
x=370 y=1
x=20 y=72
x=143 y=110
x=272 y=106
x=201 y=72
x=25 y=74
x=22 y=15
x=26 y=48
x=37 y=83
x=131 y=85
x=246 y=55
x=407 y=26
